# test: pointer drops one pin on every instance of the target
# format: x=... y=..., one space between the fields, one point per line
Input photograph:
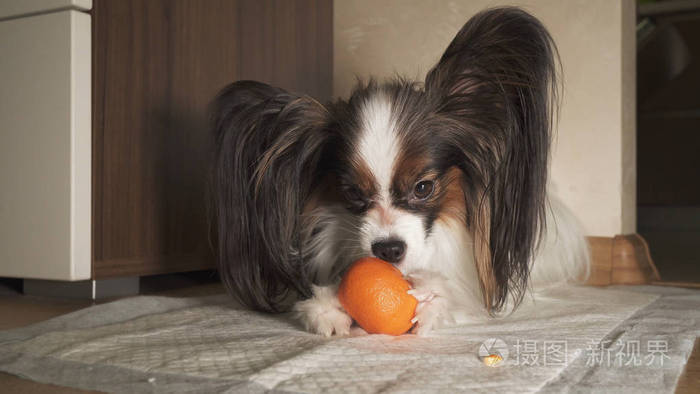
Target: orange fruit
x=373 y=292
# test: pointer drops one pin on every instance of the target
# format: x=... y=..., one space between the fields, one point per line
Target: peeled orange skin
x=374 y=293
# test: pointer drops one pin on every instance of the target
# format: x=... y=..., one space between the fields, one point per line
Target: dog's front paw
x=323 y=314
x=431 y=313
x=433 y=310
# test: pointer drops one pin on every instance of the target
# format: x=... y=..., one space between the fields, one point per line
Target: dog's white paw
x=431 y=314
x=322 y=313
x=432 y=293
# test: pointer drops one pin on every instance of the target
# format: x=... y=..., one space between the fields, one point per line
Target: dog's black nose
x=391 y=250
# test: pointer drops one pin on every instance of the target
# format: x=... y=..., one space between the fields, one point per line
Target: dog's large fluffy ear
x=496 y=88
x=268 y=147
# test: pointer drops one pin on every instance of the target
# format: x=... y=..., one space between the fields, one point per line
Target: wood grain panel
x=621 y=260
x=632 y=263
x=689 y=380
x=288 y=44
x=157 y=64
x=601 y=260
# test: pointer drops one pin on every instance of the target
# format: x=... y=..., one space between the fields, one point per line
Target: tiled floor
x=18 y=310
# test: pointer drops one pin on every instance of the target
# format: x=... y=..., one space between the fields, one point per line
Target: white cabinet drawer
x=45 y=146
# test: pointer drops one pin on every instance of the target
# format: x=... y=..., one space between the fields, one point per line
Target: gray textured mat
x=557 y=342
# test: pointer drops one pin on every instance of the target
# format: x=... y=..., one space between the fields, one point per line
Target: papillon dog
x=445 y=179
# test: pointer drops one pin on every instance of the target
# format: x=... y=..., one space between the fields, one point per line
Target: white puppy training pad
x=160 y=344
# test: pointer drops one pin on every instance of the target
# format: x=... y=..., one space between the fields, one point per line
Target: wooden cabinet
x=156 y=65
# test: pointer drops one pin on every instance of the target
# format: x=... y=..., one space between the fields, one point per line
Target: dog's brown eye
x=423 y=189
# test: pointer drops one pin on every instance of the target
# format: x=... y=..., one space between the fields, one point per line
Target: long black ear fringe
x=497 y=83
x=268 y=145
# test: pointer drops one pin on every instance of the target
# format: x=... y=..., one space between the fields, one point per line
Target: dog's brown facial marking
x=409 y=171
x=427 y=191
x=453 y=205
x=358 y=187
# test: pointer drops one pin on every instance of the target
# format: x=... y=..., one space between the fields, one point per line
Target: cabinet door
x=158 y=64
x=45 y=152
